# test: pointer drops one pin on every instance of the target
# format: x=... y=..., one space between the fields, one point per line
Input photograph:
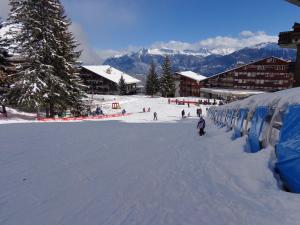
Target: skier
x=200 y=112
x=155 y=116
x=98 y=110
x=149 y=109
x=182 y=113
x=201 y=126
x=123 y=111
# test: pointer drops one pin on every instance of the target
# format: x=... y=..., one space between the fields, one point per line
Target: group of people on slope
x=99 y=111
x=201 y=122
x=183 y=114
x=144 y=110
x=200 y=125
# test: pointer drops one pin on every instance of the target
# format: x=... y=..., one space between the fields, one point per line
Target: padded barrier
x=242 y=115
x=229 y=118
x=288 y=149
x=257 y=123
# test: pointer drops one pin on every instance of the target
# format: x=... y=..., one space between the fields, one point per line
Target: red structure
x=182 y=102
x=269 y=74
x=115 y=105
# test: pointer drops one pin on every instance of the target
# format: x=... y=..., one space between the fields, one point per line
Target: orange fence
x=82 y=118
x=183 y=102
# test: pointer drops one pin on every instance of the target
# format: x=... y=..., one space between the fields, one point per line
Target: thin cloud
x=215 y=44
x=244 y=39
x=89 y=55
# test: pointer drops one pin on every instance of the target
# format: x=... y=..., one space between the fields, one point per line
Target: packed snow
x=134 y=170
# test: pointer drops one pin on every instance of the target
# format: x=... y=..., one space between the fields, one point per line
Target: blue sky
x=107 y=27
x=115 y=24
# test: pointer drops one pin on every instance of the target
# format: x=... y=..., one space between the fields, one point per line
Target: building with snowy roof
x=104 y=79
x=266 y=75
x=188 y=84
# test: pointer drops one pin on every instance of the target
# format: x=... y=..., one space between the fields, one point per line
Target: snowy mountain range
x=201 y=52
x=204 y=61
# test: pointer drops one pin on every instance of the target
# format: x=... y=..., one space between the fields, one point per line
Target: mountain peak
x=204 y=61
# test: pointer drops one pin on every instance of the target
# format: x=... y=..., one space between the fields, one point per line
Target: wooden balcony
x=289 y=39
x=296 y=2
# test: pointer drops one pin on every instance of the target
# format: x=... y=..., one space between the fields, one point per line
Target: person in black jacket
x=201 y=126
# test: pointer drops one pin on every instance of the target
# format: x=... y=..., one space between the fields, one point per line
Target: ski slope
x=135 y=171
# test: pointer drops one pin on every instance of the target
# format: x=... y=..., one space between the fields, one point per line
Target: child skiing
x=155 y=116
x=201 y=126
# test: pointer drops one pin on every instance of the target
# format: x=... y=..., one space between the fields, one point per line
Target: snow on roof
x=112 y=74
x=192 y=75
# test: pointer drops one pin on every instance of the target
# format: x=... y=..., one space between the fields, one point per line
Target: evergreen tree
x=4 y=63
x=167 y=81
x=152 y=82
x=122 y=86
x=48 y=79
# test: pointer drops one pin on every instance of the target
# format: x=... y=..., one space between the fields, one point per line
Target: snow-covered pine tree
x=67 y=63
x=4 y=63
x=122 y=86
x=48 y=79
x=167 y=81
x=152 y=82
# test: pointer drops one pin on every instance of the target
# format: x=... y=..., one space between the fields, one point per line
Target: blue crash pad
x=288 y=149
x=257 y=123
x=229 y=118
x=242 y=115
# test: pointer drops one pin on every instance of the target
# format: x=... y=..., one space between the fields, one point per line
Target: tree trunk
x=4 y=110
x=51 y=110
x=38 y=113
x=47 y=112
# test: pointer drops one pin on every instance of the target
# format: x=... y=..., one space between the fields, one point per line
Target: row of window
x=279 y=82
x=268 y=75
x=255 y=87
x=265 y=67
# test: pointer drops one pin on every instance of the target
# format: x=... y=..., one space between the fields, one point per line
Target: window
x=260 y=81
x=271 y=60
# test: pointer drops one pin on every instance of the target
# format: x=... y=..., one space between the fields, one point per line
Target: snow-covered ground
x=133 y=170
